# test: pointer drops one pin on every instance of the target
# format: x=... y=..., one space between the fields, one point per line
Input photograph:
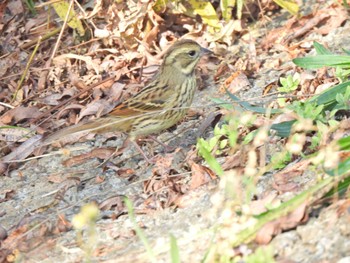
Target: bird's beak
x=205 y=51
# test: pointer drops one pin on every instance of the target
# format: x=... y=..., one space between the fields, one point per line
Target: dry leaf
x=19 y=114
x=235 y=83
x=24 y=150
x=267 y=232
x=101 y=153
x=200 y=175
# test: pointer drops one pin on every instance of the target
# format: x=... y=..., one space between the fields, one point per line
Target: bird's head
x=184 y=55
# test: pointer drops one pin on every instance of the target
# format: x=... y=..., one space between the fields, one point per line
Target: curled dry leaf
x=344 y=207
x=260 y=206
x=6 y=195
x=15 y=7
x=19 y=114
x=3 y=233
x=14 y=134
x=282 y=179
x=97 y=107
x=24 y=150
x=200 y=175
x=101 y=153
x=165 y=185
x=115 y=92
x=324 y=86
x=62 y=60
x=284 y=117
x=7 y=63
x=234 y=160
x=53 y=99
x=113 y=202
x=267 y=232
x=73 y=106
x=210 y=120
x=235 y=83
x=125 y=172
x=63 y=225
x=338 y=14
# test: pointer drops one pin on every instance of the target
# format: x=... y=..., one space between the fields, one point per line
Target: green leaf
x=31 y=6
x=174 y=250
x=249 y=137
x=206 y=11
x=239 y=7
x=344 y=143
x=160 y=6
x=321 y=50
x=328 y=96
x=283 y=128
x=226 y=8
x=290 y=6
x=61 y=9
x=346 y=51
x=209 y=158
x=341 y=188
x=320 y=61
x=250 y=107
x=342 y=168
x=222 y=103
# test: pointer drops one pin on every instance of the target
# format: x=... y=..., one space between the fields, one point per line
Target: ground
x=41 y=196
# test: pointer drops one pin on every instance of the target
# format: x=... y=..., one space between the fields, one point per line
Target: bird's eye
x=192 y=53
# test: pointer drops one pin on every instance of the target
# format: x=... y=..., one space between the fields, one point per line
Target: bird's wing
x=151 y=99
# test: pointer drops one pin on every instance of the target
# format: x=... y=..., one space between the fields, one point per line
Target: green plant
x=313 y=126
x=307 y=110
x=342 y=74
x=343 y=99
x=280 y=159
x=174 y=250
x=260 y=255
x=212 y=16
x=289 y=84
x=225 y=135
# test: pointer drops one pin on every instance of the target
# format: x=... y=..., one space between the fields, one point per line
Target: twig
x=45 y=37
x=62 y=30
x=26 y=69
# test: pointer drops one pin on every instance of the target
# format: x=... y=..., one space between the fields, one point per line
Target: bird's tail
x=99 y=125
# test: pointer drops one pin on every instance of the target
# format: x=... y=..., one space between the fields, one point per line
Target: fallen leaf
x=19 y=114
x=115 y=203
x=6 y=195
x=235 y=83
x=101 y=153
x=98 y=108
x=14 y=134
x=200 y=175
x=24 y=150
x=269 y=230
x=233 y=161
x=338 y=14
x=282 y=179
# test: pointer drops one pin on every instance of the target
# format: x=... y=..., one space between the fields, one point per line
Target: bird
x=162 y=103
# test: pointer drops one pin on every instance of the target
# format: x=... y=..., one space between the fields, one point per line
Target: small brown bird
x=159 y=105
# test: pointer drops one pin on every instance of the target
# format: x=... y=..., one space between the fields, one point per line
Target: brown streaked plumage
x=159 y=105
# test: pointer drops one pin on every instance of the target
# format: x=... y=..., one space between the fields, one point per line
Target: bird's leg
x=117 y=152
x=150 y=161
x=166 y=147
